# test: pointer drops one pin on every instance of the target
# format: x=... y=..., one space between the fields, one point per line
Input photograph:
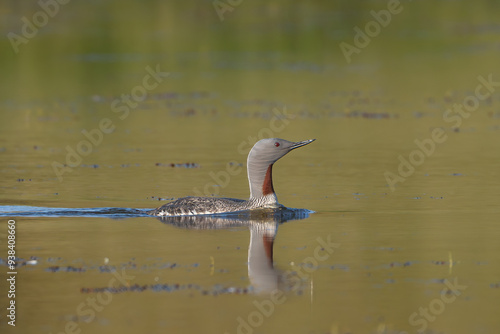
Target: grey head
x=261 y=158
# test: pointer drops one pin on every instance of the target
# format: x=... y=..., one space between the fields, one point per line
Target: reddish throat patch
x=267 y=187
x=268 y=246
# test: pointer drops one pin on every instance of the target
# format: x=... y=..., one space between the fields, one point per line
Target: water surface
x=268 y=69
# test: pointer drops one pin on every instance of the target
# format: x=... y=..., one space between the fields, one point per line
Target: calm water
x=170 y=99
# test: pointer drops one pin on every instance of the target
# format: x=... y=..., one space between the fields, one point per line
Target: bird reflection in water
x=263 y=225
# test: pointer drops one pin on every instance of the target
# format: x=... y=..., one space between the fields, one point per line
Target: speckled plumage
x=191 y=206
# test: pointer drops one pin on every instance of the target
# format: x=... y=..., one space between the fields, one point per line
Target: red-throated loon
x=260 y=162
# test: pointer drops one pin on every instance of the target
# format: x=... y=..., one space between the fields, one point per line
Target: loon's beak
x=301 y=143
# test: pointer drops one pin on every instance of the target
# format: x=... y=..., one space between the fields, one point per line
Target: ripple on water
x=36 y=211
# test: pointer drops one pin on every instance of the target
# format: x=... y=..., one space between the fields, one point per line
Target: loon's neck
x=260 y=179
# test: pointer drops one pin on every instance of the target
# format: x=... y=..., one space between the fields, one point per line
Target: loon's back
x=188 y=206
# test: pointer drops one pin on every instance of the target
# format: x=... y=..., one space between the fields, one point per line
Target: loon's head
x=260 y=162
x=268 y=151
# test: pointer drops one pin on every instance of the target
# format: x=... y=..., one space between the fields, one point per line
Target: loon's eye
x=276 y=144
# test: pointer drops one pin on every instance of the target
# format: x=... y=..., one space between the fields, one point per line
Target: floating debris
x=65 y=269
x=214 y=291
x=19 y=262
x=107 y=269
x=398 y=264
x=162 y=198
x=183 y=165
x=443 y=263
x=370 y=115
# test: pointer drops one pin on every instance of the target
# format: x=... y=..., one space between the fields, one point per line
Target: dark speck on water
x=65 y=269
x=161 y=198
x=182 y=165
x=215 y=290
x=107 y=269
